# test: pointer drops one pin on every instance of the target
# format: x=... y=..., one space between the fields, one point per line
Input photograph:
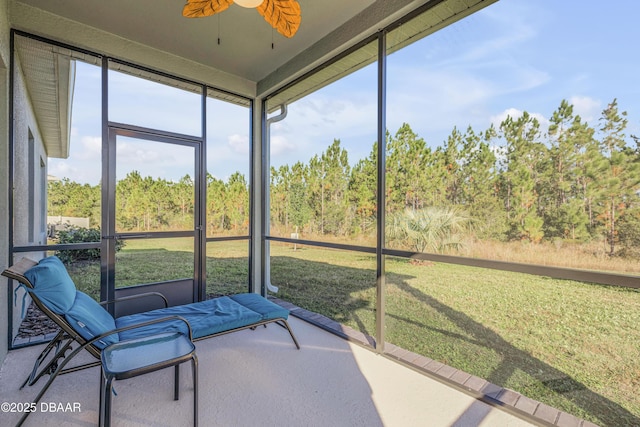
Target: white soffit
x=49 y=77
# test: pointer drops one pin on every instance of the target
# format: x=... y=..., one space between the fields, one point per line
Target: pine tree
x=237 y=203
x=363 y=187
x=478 y=180
x=622 y=177
x=215 y=204
x=279 y=193
x=563 y=202
x=410 y=171
x=298 y=208
x=451 y=173
x=521 y=176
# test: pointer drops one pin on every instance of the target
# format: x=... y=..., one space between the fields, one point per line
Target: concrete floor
x=258 y=378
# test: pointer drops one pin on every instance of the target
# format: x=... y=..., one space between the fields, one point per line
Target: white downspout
x=267 y=201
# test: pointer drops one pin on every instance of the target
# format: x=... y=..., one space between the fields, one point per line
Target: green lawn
x=571 y=345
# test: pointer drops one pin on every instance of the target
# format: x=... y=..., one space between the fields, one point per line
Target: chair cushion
x=90 y=319
x=52 y=284
x=267 y=309
x=206 y=318
x=127 y=359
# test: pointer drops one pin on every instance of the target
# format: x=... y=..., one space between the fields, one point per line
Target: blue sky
x=514 y=56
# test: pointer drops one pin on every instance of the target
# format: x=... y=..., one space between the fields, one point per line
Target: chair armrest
x=78 y=349
x=139 y=325
x=143 y=295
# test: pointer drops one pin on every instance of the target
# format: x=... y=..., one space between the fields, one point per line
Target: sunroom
x=210 y=156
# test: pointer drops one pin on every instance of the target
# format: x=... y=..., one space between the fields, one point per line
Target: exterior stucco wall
x=4 y=173
x=27 y=168
x=26 y=163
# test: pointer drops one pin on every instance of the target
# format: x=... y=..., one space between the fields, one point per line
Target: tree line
x=573 y=181
x=154 y=204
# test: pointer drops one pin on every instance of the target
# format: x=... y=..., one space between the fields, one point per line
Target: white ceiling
x=245 y=37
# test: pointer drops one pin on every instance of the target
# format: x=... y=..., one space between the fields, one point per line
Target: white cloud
x=157 y=160
x=515 y=114
x=281 y=145
x=510 y=34
x=341 y=111
x=82 y=172
x=239 y=144
x=586 y=107
x=59 y=169
x=336 y=115
x=83 y=163
x=433 y=101
x=90 y=148
x=132 y=153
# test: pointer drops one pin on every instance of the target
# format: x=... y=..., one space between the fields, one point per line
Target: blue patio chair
x=85 y=322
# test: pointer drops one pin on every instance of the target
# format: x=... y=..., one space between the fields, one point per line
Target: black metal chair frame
x=110 y=373
x=57 y=348
x=63 y=341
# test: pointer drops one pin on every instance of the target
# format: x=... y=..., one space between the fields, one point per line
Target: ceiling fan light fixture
x=283 y=15
x=248 y=3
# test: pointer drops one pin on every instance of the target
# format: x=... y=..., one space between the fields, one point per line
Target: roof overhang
x=49 y=78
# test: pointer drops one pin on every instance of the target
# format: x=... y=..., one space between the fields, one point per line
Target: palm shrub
x=432 y=229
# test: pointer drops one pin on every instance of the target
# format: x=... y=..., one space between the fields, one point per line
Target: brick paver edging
x=509 y=400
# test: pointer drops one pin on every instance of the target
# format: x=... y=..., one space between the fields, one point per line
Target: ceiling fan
x=283 y=15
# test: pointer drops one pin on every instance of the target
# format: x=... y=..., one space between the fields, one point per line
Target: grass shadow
x=346 y=293
x=552 y=380
x=335 y=291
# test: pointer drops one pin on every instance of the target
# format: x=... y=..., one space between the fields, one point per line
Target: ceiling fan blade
x=200 y=8
x=283 y=15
